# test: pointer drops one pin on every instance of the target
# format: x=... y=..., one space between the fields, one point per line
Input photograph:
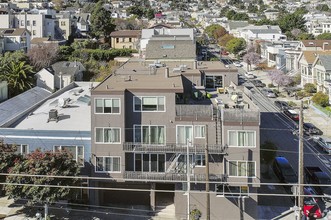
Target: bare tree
x=43 y=55
x=280 y=78
x=251 y=58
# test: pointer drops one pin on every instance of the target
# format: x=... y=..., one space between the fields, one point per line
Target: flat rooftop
x=74 y=115
x=139 y=74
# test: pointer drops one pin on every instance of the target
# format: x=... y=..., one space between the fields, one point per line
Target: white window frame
x=202 y=158
x=76 y=156
x=245 y=131
x=202 y=130
x=103 y=105
x=103 y=138
x=141 y=103
x=192 y=138
x=141 y=138
x=104 y=164
x=240 y=194
x=20 y=149
x=237 y=171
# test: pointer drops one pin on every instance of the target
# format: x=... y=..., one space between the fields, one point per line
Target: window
x=184 y=134
x=231 y=191
x=199 y=131
x=130 y=39
x=34 y=23
x=149 y=134
x=63 y=23
x=200 y=160
x=108 y=164
x=107 y=106
x=149 y=104
x=242 y=168
x=117 y=40
x=21 y=148
x=107 y=135
x=77 y=152
x=123 y=39
x=22 y=22
x=242 y=138
x=33 y=32
x=149 y=162
x=28 y=22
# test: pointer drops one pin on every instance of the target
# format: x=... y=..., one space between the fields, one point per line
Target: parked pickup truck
x=314 y=175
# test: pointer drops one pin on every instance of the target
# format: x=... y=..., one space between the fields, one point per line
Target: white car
x=249 y=75
x=237 y=64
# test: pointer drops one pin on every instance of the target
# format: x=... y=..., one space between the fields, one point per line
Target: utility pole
x=207 y=177
x=300 y=169
x=188 y=177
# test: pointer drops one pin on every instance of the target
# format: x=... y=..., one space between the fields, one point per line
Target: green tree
x=309 y=88
x=322 y=7
x=16 y=56
x=43 y=189
x=305 y=36
x=324 y=36
x=290 y=21
x=136 y=10
x=19 y=76
x=215 y=30
x=236 y=45
x=150 y=13
x=321 y=99
x=102 y=23
x=225 y=39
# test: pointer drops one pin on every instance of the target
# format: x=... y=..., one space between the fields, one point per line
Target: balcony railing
x=240 y=115
x=133 y=175
x=197 y=111
x=173 y=148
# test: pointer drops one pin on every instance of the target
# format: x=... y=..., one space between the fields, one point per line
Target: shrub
x=291 y=103
x=321 y=99
x=309 y=88
x=270 y=85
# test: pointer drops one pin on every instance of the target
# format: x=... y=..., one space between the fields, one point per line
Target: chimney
x=166 y=72
x=195 y=65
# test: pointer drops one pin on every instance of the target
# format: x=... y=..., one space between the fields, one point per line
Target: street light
x=188 y=177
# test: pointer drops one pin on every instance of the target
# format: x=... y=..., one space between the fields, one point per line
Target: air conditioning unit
x=53 y=115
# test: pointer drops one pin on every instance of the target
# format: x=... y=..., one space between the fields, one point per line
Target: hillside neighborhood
x=195 y=109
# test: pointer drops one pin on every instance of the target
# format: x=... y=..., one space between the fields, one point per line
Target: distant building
x=15 y=39
x=125 y=39
x=60 y=75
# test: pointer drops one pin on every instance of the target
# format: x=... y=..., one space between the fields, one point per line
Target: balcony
x=134 y=175
x=241 y=115
x=172 y=148
x=195 y=111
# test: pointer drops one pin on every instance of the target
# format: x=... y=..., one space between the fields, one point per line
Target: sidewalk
x=311 y=114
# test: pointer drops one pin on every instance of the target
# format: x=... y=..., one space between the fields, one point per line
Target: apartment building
x=151 y=125
x=128 y=39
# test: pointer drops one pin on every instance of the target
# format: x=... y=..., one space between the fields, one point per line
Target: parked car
x=249 y=75
x=292 y=114
x=324 y=143
x=309 y=128
x=258 y=83
x=237 y=64
x=284 y=171
x=321 y=181
x=268 y=92
x=282 y=105
x=311 y=209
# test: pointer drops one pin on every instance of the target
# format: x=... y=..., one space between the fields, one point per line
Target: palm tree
x=19 y=76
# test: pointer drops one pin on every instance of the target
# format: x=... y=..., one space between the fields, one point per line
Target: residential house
x=314 y=45
x=66 y=24
x=16 y=39
x=125 y=39
x=60 y=75
x=306 y=60
x=321 y=70
x=233 y=26
x=264 y=32
x=83 y=23
x=143 y=124
x=38 y=119
x=163 y=42
x=317 y=24
x=271 y=14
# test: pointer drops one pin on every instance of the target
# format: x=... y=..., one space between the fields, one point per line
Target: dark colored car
x=282 y=105
x=258 y=83
x=292 y=114
x=311 y=129
x=284 y=171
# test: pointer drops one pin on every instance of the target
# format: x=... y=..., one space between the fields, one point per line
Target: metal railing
x=173 y=148
x=197 y=111
x=240 y=115
x=134 y=175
